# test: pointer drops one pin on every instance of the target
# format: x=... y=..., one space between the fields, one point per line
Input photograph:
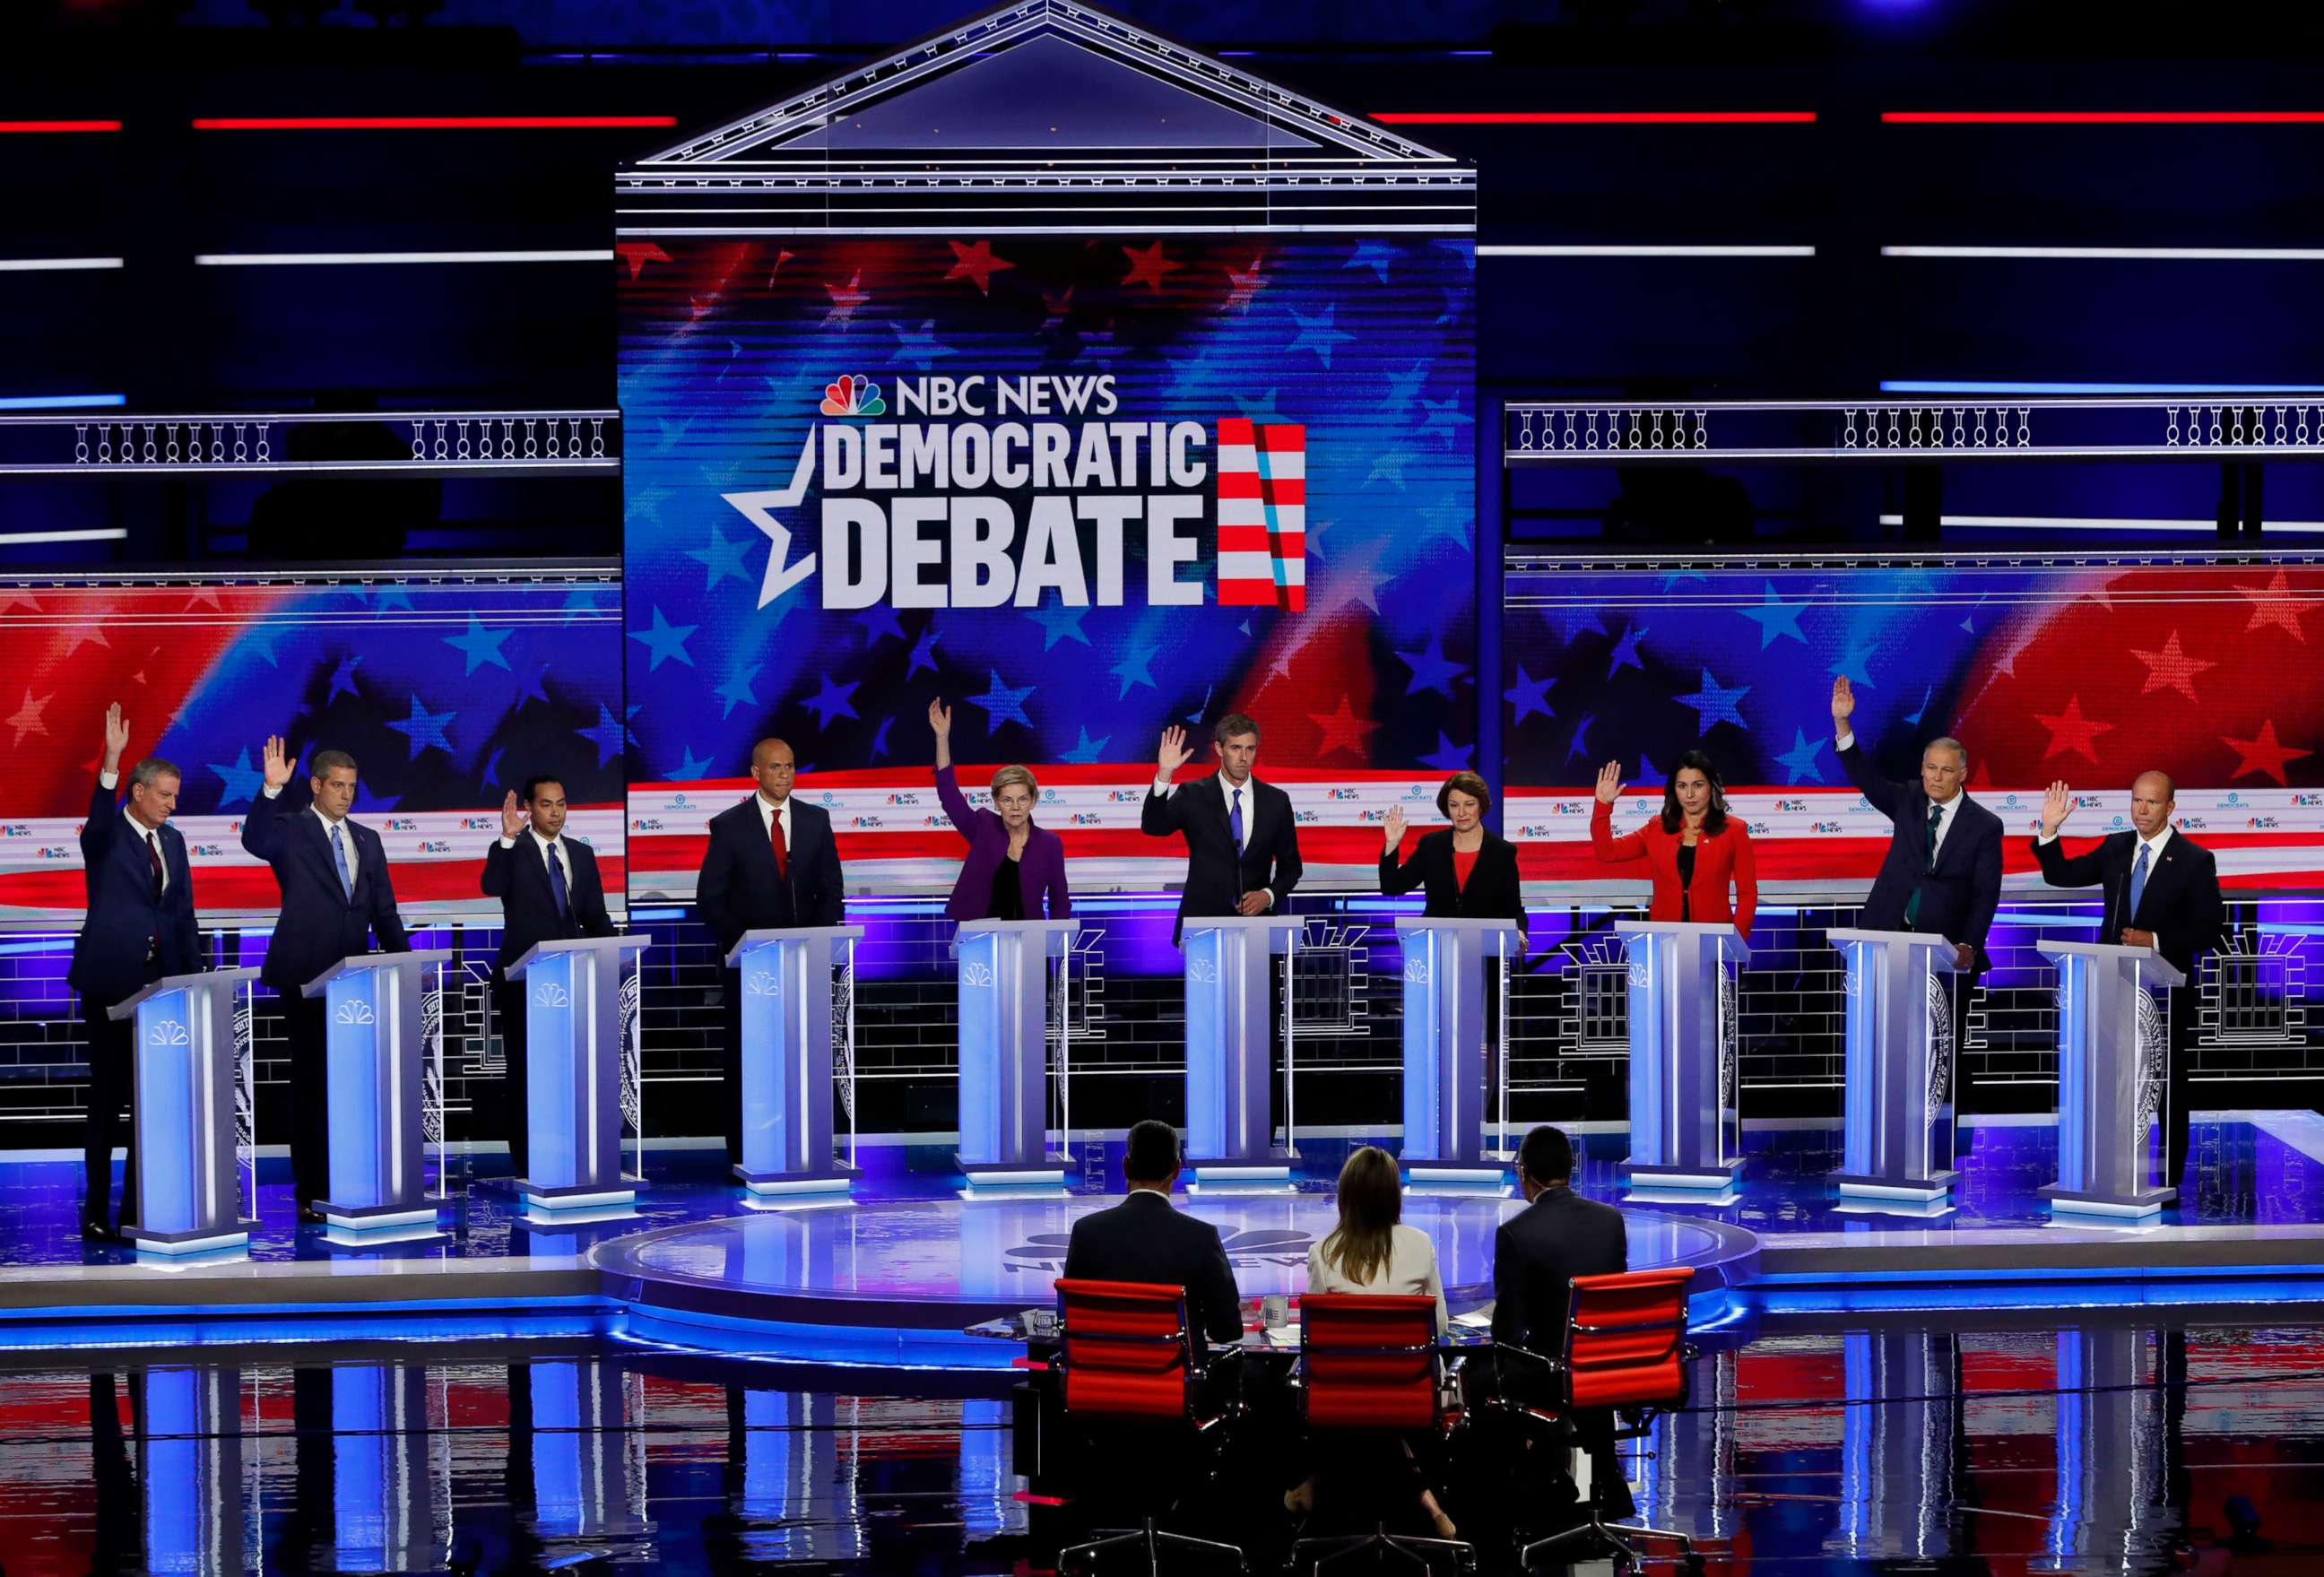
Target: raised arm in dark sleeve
x=1161 y=814
x=104 y=821
x=1397 y=876
x=494 y=882
x=261 y=828
x=2059 y=869
x=1886 y=798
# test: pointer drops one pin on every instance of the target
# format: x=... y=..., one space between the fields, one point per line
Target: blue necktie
x=1234 y=821
x=339 y=853
x=2137 y=884
x=557 y=881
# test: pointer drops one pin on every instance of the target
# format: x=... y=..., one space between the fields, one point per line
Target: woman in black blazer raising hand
x=1468 y=871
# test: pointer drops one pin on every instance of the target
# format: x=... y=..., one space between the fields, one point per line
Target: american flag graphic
x=1262 y=514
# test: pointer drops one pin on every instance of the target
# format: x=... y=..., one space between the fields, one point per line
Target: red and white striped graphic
x=1262 y=514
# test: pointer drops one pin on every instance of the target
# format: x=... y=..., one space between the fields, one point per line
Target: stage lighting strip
x=2102 y=117
x=430 y=122
x=1645 y=251
x=2121 y=254
x=55 y=264
x=60 y=125
x=327 y=259
x=1597 y=117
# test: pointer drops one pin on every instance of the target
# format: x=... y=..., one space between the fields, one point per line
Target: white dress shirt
x=550 y=849
x=1411 y=1268
x=2153 y=847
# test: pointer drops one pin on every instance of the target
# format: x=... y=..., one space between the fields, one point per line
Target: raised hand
x=1174 y=753
x=2057 y=804
x=513 y=816
x=279 y=761
x=939 y=717
x=116 y=736
x=1394 y=827
x=1610 y=782
x=1843 y=701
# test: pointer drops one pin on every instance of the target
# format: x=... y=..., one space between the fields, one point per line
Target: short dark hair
x=324 y=763
x=1547 y=1156
x=532 y=789
x=1151 y=1155
x=1233 y=726
x=1467 y=783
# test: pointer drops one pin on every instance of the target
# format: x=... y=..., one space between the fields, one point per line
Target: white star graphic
x=755 y=506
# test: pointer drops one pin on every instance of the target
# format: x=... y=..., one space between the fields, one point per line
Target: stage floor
x=893 y=1274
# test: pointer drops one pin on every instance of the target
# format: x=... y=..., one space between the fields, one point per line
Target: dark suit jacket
x=2181 y=903
x=320 y=923
x=1538 y=1251
x=1217 y=873
x=1492 y=894
x=519 y=878
x=108 y=956
x=1040 y=870
x=1145 y=1240
x=739 y=889
x=1959 y=897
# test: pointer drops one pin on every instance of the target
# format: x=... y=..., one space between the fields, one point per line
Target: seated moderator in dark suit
x=139 y=927
x=1143 y=1240
x=1942 y=873
x=2162 y=891
x=1242 y=841
x=771 y=862
x=549 y=891
x=336 y=898
x=1537 y=1254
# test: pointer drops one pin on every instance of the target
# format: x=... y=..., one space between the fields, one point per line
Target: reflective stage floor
x=2105 y=1446
x=894 y=1274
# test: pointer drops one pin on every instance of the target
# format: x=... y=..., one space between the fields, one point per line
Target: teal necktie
x=1912 y=904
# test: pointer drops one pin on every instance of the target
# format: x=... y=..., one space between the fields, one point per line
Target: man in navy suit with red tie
x=2162 y=891
x=332 y=874
x=140 y=928
x=550 y=891
x=771 y=862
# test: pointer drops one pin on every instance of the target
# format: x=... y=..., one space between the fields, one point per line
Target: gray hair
x=326 y=762
x=1008 y=775
x=151 y=770
x=1946 y=742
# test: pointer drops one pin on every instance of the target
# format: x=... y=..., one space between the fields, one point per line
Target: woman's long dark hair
x=1714 y=820
x=1371 y=1202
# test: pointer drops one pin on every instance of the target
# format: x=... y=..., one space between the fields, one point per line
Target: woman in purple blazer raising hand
x=1012 y=864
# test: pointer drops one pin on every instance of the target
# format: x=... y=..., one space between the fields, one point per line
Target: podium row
x=581 y=1005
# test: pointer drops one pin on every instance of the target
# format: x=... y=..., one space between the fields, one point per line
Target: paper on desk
x=1475 y=1319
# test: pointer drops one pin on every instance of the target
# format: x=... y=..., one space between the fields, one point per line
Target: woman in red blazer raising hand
x=1694 y=850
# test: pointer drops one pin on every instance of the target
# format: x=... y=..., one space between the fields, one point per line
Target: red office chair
x=1127 y=1353
x=1625 y=1349
x=1370 y=1364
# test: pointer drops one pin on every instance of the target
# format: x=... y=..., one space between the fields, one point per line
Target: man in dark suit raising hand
x=2162 y=891
x=1242 y=841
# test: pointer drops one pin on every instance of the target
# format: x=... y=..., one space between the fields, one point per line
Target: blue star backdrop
x=726 y=352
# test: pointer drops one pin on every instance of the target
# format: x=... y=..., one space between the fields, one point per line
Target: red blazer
x=1715 y=859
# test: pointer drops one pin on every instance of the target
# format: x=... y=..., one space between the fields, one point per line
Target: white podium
x=786 y=976
x=1004 y=1044
x=1229 y=1006
x=2114 y=1049
x=1684 y=1131
x=580 y=1000
x=372 y=1037
x=1444 y=1049
x=1897 y=1129
x=188 y=1052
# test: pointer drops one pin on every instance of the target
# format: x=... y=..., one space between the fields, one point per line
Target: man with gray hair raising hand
x=1943 y=871
x=140 y=928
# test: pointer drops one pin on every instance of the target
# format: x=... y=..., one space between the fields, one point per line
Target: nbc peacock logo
x=855 y=395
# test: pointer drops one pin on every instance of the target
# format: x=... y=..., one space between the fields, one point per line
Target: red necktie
x=782 y=850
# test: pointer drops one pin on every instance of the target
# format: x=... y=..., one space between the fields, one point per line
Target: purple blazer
x=1041 y=868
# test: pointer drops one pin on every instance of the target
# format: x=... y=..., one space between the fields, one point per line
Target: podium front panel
x=573 y=1058
x=170 y=1099
x=1229 y=1011
x=372 y=1019
x=1897 y=1107
x=786 y=984
x=1004 y=1040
